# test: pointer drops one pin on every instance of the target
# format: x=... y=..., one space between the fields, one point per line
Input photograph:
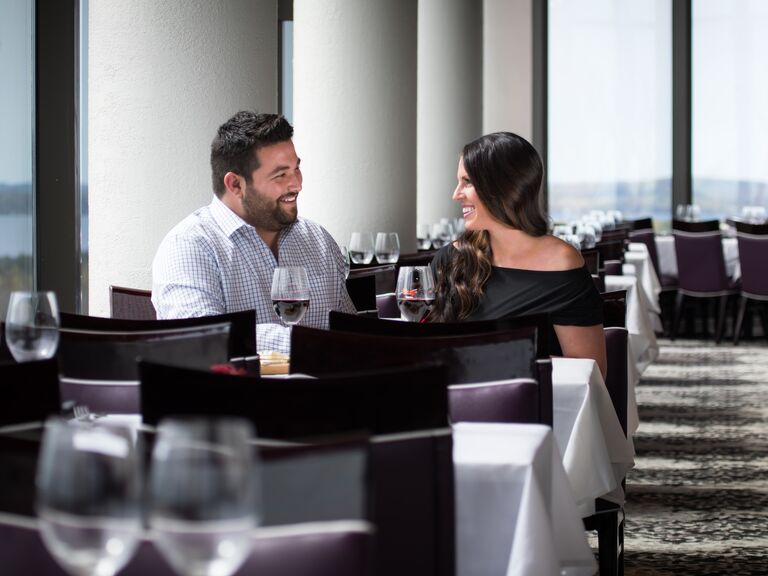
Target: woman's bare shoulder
x=559 y=255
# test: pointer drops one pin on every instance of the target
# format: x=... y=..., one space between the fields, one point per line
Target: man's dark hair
x=234 y=147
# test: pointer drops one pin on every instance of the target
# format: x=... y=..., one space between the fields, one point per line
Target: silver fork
x=81 y=412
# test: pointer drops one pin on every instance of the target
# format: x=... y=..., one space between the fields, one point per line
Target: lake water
x=16 y=233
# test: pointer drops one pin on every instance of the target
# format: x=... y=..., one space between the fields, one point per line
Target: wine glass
x=203 y=495
x=361 y=247
x=423 y=241
x=387 y=247
x=290 y=293
x=89 y=496
x=415 y=292
x=32 y=325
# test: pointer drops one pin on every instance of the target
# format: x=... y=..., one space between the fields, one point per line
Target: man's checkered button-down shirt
x=213 y=262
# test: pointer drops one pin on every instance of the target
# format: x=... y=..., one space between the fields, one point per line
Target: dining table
x=515 y=512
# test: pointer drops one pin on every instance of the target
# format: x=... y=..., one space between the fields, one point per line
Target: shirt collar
x=228 y=221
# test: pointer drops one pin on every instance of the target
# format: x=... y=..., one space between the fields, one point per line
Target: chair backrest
x=242 y=331
x=648 y=237
x=321 y=548
x=365 y=282
x=508 y=401
x=641 y=224
x=468 y=358
x=30 y=391
x=700 y=262
x=131 y=303
x=610 y=250
x=386 y=305
x=295 y=408
x=615 y=308
x=753 y=246
x=591 y=259
x=112 y=355
x=382 y=327
x=410 y=466
x=696 y=225
x=621 y=234
x=416 y=259
x=99 y=369
x=616 y=381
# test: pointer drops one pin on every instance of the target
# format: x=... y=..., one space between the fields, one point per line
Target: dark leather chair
x=99 y=368
x=382 y=327
x=696 y=225
x=386 y=305
x=411 y=467
x=296 y=408
x=753 y=247
x=131 y=303
x=242 y=331
x=701 y=269
x=507 y=401
x=364 y=283
x=608 y=519
x=643 y=231
x=469 y=358
x=614 y=308
x=30 y=391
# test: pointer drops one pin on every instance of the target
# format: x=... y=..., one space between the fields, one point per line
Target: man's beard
x=266 y=214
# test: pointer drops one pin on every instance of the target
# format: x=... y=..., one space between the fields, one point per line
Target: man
x=221 y=257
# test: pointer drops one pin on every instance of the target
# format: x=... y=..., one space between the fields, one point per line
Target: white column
x=450 y=80
x=355 y=115
x=162 y=77
x=508 y=66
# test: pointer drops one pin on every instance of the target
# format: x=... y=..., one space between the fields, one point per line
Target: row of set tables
x=523 y=490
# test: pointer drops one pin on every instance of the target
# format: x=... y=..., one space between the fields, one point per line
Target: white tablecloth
x=596 y=454
x=638 y=263
x=665 y=247
x=515 y=513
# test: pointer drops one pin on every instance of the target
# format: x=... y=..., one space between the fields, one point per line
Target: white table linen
x=642 y=337
x=596 y=454
x=515 y=512
x=665 y=248
x=638 y=263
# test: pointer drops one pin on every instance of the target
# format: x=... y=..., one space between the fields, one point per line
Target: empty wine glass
x=423 y=241
x=442 y=233
x=89 y=496
x=387 y=248
x=32 y=325
x=203 y=495
x=290 y=293
x=361 y=247
x=415 y=292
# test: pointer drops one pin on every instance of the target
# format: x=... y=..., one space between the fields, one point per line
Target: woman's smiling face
x=476 y=215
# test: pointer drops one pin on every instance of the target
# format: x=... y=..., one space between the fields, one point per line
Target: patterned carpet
x=697 y=500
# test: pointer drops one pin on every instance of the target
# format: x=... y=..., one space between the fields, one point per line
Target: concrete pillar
x=162 y=77
x=450 y=98
x=508 y=66
x=355 y=115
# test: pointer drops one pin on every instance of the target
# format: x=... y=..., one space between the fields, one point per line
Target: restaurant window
x=609 y=134
x=729 y=114
x=17 y=152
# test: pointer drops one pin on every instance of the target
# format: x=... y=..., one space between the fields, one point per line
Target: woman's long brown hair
x=506 y=172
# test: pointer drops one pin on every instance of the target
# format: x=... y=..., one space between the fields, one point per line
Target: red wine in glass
x=414 y=309
x=290 y=311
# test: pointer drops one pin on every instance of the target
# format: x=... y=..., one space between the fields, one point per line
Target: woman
x=505 y=264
